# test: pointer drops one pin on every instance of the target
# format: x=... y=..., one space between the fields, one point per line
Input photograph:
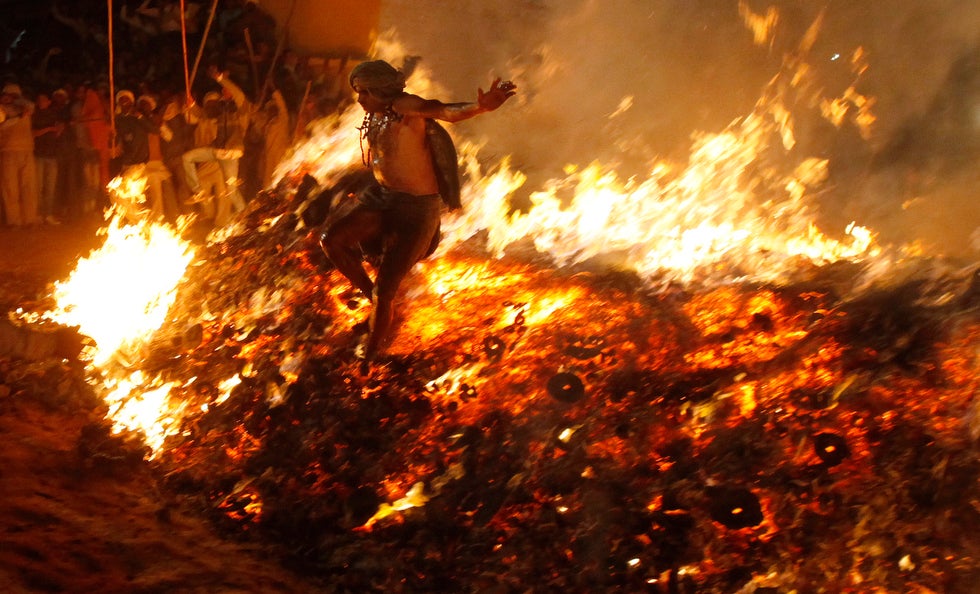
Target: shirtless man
x=403 y=210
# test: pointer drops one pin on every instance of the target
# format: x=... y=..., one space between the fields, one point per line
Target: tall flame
x=118 y=296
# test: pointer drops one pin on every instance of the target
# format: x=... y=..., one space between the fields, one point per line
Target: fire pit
x=731 y=404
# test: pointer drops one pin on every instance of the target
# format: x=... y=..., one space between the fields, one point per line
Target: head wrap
x=12 y=89
x=149 y=99
x=60 y=93
x=380 y=77
x=212 y=96
x=127 y=94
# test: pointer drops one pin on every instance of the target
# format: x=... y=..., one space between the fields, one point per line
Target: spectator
x=65 y=154
x=147 y=58
x=93 y=115
x=276 y=132
x=160 y=189
x=220 y=137
x=18 y=179
x=176 y=138
x=49 y=127
x=131 y=132
x=83 y=180
x=139 y=21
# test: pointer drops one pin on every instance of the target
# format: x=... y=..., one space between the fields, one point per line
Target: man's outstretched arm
x=455 y=112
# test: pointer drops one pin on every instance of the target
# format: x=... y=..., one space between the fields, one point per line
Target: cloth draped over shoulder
x=446 y=162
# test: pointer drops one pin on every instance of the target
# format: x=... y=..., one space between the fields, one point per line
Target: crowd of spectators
x=207 y=149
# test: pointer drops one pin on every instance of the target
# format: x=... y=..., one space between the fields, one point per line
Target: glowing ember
x=138 y=405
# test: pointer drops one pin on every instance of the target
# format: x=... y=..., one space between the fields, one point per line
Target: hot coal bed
x=753 y=438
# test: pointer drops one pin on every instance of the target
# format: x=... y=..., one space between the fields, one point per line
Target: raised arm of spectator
x=237 y=95
x=76 y=25
x=136 y=22
x=145 y=10
x=41 y=72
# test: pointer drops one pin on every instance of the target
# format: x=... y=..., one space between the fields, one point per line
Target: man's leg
x=229 y=168
x=28 y=188
x=9 y=189
x=190 y=160
x=401 y=253
x=340 y=243
x=47 y=178
x=156 y=173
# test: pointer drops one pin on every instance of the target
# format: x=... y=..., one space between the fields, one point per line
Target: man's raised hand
x=500 y=91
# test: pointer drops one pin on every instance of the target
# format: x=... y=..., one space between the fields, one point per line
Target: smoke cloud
x=625 y=81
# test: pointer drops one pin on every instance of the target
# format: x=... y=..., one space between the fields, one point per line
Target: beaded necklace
x=371 y=126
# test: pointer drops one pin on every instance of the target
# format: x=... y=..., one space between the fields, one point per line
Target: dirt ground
x=74 y=522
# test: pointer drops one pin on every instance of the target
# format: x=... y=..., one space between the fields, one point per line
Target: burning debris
x=732 y=407
x=571 y=429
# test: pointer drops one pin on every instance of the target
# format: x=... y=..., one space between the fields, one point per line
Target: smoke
x=624 y=81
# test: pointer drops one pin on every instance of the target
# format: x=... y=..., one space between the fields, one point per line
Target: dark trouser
x=405 y=225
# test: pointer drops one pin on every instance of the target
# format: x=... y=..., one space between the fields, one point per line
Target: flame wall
x=688 y=66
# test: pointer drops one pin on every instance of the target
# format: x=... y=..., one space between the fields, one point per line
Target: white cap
x=149 y=99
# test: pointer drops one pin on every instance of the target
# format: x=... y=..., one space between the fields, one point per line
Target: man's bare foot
x=361 y=355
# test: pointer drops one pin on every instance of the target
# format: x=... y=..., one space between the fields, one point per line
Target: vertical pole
x=251 y=60
x=299 y=111
x=183 y=40
x=112 y=84
x=275 y=56
x=204 y=39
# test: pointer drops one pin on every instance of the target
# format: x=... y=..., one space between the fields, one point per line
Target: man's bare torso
x=400 y=157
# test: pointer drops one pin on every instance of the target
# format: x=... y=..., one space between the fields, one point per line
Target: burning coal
x=673 y=381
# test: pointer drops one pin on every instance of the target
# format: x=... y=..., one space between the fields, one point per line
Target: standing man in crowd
x=49 y=124
x=18 y=179
x=221 y=127
x=403 y=209
x=176 y=138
